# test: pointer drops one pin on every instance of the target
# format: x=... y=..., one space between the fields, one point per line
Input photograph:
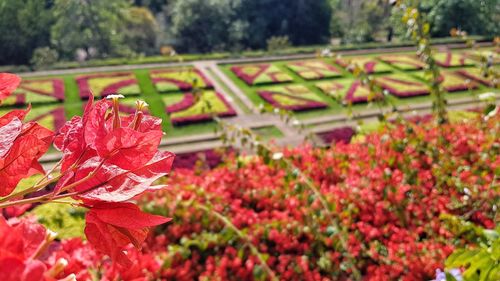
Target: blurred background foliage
x=39 y=32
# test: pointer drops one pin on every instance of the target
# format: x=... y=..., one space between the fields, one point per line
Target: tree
x=206 y=25
x=24 y=25
x=474 y=16
x=304 y=22
x=89 y=24
x=360 y=21
x=140 y=30
x=309 y=22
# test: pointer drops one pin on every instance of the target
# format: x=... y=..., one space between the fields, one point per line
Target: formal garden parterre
x=402 y=86
x=104 y=84
x=173 y=80
x=403 y=61
x=452 y=59
x=292 y=97
x=313 y=86
x=258 y=74
x=198 y=107
x=313 y=70
x=348 y=92
x=37 y=91
x=368 y=65
x=399 y=74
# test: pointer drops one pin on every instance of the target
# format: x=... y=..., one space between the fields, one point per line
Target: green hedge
x=245 y=54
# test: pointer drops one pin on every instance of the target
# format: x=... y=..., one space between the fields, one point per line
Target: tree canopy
x=85 y=29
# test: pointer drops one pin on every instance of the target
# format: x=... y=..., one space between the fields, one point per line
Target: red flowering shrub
x=387 y=193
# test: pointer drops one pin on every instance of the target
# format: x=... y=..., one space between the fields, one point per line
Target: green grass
x=238 y=101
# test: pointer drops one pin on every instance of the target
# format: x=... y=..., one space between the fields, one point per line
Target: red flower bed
x=343 y=135
x=206 y=158
x=388 y=192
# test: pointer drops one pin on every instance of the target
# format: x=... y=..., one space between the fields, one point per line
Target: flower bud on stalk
x=116 y=110
x=140 y=107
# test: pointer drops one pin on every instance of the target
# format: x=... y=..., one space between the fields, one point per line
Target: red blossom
x=112 y=226
x=18 y=244
x=8 y=84
x=21 y=145
x=124 y=160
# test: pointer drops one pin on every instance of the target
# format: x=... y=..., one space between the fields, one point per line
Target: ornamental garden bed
x=402 y=86
x=292 y=97
x=103 y=84
x=259 y=74
x=404 y=62
x=367 y=64
x=313 y=70
x=342 y=135
x=189 y=108
x=37 y=91
x=449 y=59
x=50 y=116
x=347 y=91
x=171 y=80
x=478 y=55
x=207 y=159
x=454 y=82
x=477 y=75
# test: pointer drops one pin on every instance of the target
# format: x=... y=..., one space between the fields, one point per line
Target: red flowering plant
x=374 y=206
x=107 y=160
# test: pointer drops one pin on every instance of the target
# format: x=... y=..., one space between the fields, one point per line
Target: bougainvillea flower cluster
x=108 y=159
